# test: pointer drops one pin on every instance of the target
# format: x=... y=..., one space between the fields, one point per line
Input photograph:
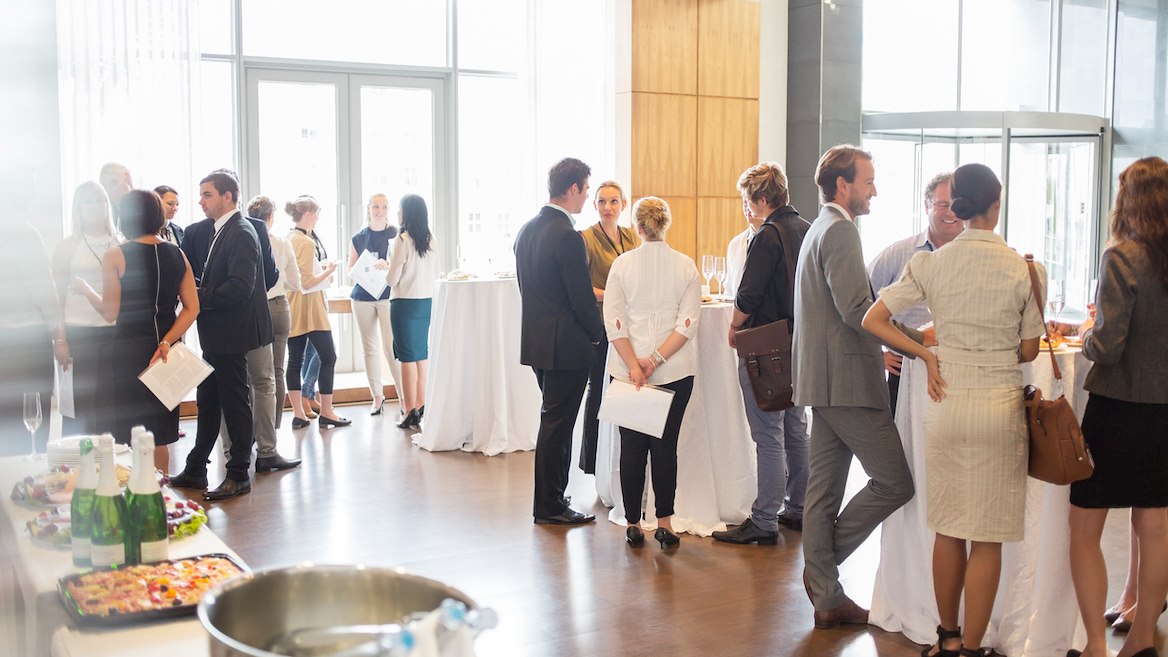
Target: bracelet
x=164 y=342
x=657 y=358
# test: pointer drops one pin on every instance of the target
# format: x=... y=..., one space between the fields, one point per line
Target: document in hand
x=172 y=380
x=324 y=284
x=643 y=410
x=366 y=274
x=65 y=389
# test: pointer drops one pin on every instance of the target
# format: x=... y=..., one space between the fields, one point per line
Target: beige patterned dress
x=978 y=291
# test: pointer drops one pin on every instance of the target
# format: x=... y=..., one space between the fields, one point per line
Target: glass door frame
x=350 y=213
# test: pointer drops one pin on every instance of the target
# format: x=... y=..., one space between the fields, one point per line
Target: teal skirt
x=410 y=320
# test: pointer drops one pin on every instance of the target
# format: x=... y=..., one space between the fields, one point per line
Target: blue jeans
x=780 y=441
x=309 y=372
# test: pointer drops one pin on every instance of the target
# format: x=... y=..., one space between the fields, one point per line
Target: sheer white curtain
x=128 y=77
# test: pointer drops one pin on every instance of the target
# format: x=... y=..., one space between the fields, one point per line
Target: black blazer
x=196 y=240
x=560 y=320
x=233 y=303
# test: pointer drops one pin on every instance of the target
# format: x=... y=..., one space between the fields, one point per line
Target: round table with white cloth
x=1035 y=613
x=479 y=397
x=715 y=455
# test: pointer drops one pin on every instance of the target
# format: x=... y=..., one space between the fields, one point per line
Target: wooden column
x=687 y=112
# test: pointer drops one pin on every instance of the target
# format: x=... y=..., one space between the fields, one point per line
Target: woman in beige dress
x=988 y=322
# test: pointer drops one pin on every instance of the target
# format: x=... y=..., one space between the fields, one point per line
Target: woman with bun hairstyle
x=652 y=300
x=988 y=322
x=310 y=314
x=1127 y=410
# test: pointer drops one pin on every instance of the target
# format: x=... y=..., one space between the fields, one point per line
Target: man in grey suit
x=839 y=372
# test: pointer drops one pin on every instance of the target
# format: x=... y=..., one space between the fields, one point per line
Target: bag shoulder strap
x=785 y=241
x=1038 y=298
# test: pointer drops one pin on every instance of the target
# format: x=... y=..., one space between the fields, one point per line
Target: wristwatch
x=657 y=358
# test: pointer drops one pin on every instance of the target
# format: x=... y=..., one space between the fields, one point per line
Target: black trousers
x=636 y=447
x=591 y=408
x=27 y=366
x=224 y=396
x=322 y=342
x=562 y=392
x=893 y=390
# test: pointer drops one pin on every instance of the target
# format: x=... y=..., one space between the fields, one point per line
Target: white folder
x=366 y=274
x=643 y=410
x=171 y=381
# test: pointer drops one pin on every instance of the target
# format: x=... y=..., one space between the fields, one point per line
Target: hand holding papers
x=325 y=282
x=366 y=274
x=643 y=410
x=172 y=380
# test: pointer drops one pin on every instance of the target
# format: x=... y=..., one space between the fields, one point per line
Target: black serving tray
x=114 y=620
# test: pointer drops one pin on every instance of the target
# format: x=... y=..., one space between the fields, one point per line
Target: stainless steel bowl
x=248 y=614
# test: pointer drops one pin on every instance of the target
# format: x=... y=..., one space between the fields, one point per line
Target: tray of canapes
x=55 y=487
x=134 y=594
x=53 y=528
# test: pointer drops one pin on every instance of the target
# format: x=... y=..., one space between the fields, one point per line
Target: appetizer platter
x=132 y=594
x=52 y=528
x=54 y=487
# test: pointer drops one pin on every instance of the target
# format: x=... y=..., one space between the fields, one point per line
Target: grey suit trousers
x=829 y=535
x=262 y=388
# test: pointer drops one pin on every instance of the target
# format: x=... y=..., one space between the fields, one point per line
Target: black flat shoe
x=411 y=420
x=942 y=635
x=228 y=489
x=331 y=422
x=634 y=536
x=299 y=423
x=747 y=532
x=274 y=463
x=666 y=538
x=568 y=517
x=184 y=480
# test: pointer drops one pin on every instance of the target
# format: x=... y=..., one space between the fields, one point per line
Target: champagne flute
x=1056 y=298
x=720 y=274
x=708 y=268
x=32 y=419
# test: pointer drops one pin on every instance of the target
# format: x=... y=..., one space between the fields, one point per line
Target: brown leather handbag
x=767 y=349
x=1058 y=453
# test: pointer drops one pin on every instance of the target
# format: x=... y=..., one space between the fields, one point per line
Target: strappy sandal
x=980 y=652
x=943 y=635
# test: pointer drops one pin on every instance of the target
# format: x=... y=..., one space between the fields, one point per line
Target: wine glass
x=708 y=268
x=1056 y=298
x=32 y=419
x=720 y=274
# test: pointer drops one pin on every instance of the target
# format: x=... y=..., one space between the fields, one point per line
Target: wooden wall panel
x=728 y=50
x=727 y=143
x=719 y=220
x=665 y=46
x=683 y=232
x=664 y=145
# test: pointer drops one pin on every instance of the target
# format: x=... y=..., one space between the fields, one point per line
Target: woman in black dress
x=144 y=280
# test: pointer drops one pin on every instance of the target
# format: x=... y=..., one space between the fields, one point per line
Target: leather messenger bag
x=767 y=348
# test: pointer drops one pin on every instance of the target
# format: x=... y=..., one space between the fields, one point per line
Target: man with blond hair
x=839 y=373
x=764 y=296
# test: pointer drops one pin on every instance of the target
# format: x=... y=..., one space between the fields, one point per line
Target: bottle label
x=80 y=551
x=107 y=555
x=155 y=551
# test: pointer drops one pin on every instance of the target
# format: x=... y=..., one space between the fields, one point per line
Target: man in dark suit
x=233 y=320
x=560 y=328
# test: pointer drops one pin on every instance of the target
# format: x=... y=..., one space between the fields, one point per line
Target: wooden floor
x=365 y=494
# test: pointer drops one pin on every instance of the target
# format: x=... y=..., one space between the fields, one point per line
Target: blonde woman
x=88 y=335
x=652 y=302
x=604 y=242
x=372 y=315
x=309 y=312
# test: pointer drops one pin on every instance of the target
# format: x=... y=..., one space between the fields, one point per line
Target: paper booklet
x=643 y=410
x=323 y=285
x=367 y=275
x=173 y=380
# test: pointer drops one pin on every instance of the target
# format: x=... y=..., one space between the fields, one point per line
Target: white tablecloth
x=37 y=569
x=479 y=398
x=1035 y=614
x=716 y=470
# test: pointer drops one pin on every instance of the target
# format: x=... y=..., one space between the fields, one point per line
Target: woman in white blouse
x=651 y=306
x=413 y=268
x=979 y=292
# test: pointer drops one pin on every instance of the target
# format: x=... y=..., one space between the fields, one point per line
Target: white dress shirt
x=736 y=259
x=289 y=278
x=653 y=291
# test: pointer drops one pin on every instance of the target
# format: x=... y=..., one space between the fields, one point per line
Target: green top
x=602 y=250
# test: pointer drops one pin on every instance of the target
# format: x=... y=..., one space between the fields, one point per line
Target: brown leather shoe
x=849 y=612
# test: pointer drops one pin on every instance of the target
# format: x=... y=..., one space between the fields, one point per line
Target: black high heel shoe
x=666 y=538
x=411 y=420
x=634 y=536
x=942 y=635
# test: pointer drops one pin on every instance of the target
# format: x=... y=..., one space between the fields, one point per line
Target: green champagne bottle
x=148 y=541
x=107 y=543
x=81 y=507
x=135 y=436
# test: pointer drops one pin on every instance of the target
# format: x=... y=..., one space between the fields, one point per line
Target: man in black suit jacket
x=560 y=328
x=234 y=320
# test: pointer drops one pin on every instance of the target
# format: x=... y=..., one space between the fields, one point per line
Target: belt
x=977 y=358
